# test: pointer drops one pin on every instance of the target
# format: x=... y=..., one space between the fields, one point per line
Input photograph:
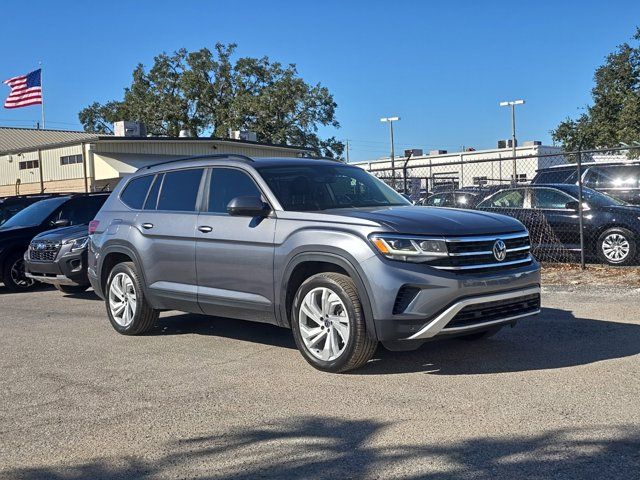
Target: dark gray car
x=314 y=245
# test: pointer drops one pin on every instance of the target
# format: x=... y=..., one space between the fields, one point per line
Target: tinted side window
x=613 y=177
x=180 y=190
x=550 y=199
x=557 y=176
x=135 y=192
x=80 y=210
x=225 y=185
x=505 y=199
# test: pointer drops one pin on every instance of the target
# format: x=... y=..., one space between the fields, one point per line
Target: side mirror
x=61 y=223
x=572 y=205
x=248 y=206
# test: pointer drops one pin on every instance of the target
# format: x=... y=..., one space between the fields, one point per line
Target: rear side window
x=135 y=192
x=549 y=199
x=227 y=184
x=613 y=177
x=179 y=190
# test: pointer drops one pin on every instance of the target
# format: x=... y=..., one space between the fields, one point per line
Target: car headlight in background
x=78 y=243
x=409 y=249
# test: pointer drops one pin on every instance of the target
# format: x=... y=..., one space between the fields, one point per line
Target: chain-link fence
x=573 y=203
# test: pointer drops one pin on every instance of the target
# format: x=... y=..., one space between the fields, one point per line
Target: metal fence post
x=580 y=210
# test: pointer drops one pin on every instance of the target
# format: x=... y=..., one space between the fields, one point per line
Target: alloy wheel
x=324 y=324
x=615 y=247
x=122 y=299
x=18 y=277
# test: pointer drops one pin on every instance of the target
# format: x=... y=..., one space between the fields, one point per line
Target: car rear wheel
x=71 y=289
x=13 y=275
x=127 y=307
x=328 y=324
x=617 y=246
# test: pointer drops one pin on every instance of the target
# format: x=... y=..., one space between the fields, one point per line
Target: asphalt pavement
x=557 y=396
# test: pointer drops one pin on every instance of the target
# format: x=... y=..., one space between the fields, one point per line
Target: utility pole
x=390 y=121
x=347 y=150
x=513 y=104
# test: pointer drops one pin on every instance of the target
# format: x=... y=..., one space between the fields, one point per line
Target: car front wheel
x=13 y=275
x=328 y=324
x=127 y=307
x=617 y=246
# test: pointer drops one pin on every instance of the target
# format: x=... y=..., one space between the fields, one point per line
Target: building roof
x=16 y=139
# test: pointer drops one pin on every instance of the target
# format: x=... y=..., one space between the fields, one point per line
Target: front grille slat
x=475 y=254
x=496 y=310
x=43 y=251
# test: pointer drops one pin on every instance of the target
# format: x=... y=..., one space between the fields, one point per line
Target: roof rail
x=198 y=157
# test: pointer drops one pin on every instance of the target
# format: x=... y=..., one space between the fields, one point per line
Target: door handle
x=147 y=226
x=205 y=228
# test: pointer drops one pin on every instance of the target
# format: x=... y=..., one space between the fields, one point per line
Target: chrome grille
x=43 y=251
x=474 y=254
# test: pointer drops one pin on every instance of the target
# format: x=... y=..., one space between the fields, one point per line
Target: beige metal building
x=476 y=167
x=32 y=160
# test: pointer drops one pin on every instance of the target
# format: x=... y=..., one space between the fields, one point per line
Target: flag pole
x=42 y=94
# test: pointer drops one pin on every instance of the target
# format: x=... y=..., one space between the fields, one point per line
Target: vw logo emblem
x=40 y=246
x=499 y=250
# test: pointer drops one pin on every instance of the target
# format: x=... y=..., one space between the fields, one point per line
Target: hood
x=19 y=233
x=64 y=233
x=435 y=220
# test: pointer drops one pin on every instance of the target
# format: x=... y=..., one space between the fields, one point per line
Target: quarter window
x=179 y=190
x=225 y=185
x=135 y=192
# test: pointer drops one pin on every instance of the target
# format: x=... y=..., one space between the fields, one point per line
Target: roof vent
x=124 y=128
x=244 y=135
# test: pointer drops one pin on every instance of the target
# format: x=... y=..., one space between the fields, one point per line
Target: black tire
x=617 y=233
x=360 y=347
x=144 y=316
x=71 y=289
x=490 y=332
x=23 y=284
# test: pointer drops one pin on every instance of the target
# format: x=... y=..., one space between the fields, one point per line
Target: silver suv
x=313 y=245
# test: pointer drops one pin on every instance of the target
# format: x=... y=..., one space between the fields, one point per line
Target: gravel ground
x=557 y=396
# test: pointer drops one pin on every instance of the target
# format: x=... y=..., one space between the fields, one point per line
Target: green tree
x=614 y=117
x=208 y=92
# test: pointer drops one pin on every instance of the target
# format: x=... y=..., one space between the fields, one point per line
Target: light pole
x=513 y=104
x=390 y=121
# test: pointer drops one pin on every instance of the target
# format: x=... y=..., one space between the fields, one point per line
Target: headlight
x=78 y=243
x=409 y=249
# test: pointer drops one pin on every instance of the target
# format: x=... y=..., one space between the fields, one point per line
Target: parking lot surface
x=200 y=397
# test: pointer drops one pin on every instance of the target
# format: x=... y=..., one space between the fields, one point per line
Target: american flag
x=25 y=90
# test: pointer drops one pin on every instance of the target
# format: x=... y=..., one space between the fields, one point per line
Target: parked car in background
x=317 y=246
x=463 y=198
x=17 y=232
x=9 y=206
x=59 y=257
x=620 y=180
x=550 y=212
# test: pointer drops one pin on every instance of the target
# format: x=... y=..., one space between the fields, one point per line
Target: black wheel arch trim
x=126 y=250
x=341 y=260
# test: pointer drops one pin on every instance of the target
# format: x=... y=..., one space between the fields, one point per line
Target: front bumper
x=66 y=269
x=412 y=303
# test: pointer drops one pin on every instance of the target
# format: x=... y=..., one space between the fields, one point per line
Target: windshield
x=320 y=187
x=35 y=213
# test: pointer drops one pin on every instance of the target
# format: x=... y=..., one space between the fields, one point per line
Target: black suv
x=620 y=180
x=17 y=232
x=9 y=206
x=550 y=212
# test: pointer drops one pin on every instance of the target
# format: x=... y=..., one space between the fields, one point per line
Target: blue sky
x=442 y=66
